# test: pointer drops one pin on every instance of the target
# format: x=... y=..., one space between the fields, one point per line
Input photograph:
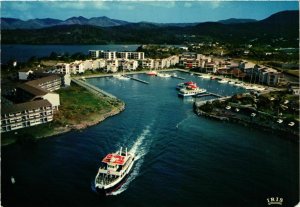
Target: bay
x=22 y=53
x=183 y=159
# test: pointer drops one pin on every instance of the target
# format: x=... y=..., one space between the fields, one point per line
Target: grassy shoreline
x=79 y=109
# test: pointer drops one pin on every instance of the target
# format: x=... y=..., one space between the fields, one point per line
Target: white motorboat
x=163 y=75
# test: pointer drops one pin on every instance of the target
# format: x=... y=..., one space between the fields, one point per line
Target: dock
x=136 y=79
x=209 y=94
x=92 y=89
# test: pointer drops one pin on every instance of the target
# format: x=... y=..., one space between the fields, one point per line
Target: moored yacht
x=114 y=170
x=152 y=72
x=163 y=75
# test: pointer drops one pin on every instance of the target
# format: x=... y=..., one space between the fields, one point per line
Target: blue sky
x=152 y=11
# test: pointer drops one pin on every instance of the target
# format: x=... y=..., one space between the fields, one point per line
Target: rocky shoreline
x=284 y=133
x=75 y=127
x=86 y=124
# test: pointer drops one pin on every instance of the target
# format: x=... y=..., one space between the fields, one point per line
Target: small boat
x=205 y=76
x=121 y=77
x=222 y=81
x=153 y=72
x=163 y=75
x=114 y=170
x=231 y=82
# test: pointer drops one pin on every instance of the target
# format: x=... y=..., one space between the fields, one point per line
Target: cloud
x=164 y=4
x=187 y=4
x=215 y=4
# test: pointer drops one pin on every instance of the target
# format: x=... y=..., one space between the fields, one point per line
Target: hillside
x=280 y=25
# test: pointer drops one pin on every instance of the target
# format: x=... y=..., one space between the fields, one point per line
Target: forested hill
x=280 y=25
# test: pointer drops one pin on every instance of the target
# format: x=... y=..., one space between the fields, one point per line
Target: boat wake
x=140 y=148
x=184 y=120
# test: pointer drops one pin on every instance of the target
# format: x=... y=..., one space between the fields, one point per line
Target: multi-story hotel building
x=49 y=83
x=25 y=115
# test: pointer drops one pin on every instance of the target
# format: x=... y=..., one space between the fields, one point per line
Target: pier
x=91 y=88
x=136 y=79
x=222 y=98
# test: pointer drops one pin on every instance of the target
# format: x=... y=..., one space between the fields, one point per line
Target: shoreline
x=290 y=135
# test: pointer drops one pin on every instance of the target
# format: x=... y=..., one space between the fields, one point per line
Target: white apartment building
x=99 y=63
x=25 y=115
x=130 y=65
x=62 y=68
x=88 y=65
x=49 y=83
x=76 y=67
x=108 y=55
x=95 y=53
x=112 y=65
x=147 y=63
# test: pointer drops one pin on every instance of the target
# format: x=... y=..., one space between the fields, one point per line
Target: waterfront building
x=76 y=67
x=99 y=64
x=95 y=53
x=24 y=73
x=268 y=76
x=147 y=63
x=112 y=65
x=49 y=83
x=25 y=115
x=88 y=65
x=28 y=93
x=131 y=55
x=130 y=65
x=62 y=68
x=108 y=55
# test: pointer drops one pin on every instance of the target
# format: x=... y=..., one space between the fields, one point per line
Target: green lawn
x=77 y=106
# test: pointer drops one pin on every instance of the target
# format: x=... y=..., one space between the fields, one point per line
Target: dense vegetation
x=281 y=25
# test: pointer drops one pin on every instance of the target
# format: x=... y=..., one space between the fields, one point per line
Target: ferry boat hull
x=109 y=180
x=110 y=190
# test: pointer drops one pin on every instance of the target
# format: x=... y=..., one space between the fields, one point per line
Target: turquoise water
x=183 y=159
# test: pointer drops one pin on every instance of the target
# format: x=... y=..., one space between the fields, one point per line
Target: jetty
x=91 y=88
x=136 y=79
x=209 y=94
x=200 y=103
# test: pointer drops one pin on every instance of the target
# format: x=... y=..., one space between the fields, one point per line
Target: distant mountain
x=12 y=23
x=76 y=31
x=236 y=21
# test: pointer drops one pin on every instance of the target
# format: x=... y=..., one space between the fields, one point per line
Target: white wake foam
x=184 y=120
x=140 y=148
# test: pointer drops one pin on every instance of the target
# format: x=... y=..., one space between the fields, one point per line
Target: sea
x=22 y=53
x=182 y=159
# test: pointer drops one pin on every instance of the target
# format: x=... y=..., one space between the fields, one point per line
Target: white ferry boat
x=191 y=90
x=114 y=171
x=184 y=85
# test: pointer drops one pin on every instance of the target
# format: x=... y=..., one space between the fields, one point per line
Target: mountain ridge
x=280 y=25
